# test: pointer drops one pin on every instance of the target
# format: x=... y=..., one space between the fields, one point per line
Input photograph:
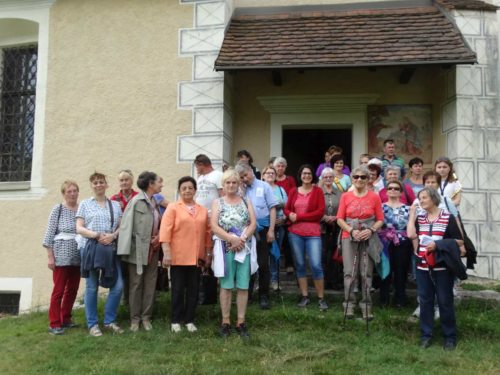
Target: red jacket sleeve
x=316 y=207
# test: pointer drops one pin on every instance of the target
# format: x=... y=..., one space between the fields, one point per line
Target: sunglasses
x=359 y=177
x=393 y=188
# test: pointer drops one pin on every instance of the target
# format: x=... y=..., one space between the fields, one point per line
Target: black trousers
x=185 y=286
x=400 y=261
x=263 y=250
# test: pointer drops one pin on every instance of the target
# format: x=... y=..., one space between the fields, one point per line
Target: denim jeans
x=112 y=302
x=440 y=284
x=311 y=246
x=274 y=265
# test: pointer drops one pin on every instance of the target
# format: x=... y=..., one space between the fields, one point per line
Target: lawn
x=285 y=340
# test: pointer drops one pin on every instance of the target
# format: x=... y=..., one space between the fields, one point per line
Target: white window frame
x=35 y=11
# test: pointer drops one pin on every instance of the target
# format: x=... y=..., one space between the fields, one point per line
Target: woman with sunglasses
x=360 y=216
x=396 y=244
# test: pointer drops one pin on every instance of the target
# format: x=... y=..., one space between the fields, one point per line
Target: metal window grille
x=9 y=303
x=17 y=112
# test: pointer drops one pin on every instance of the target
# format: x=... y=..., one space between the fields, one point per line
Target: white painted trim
x=36 y=11
x=23 y=285
x=328 y=111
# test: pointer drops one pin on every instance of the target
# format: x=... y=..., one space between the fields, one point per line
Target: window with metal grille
x=17 y=112
x=9 y=303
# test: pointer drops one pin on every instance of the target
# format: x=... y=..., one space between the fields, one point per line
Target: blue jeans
x=312 y=246
x=112 y=303
x=440 y=284
x=274 y=265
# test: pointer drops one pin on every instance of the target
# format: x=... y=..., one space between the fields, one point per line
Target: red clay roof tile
x=420 y=35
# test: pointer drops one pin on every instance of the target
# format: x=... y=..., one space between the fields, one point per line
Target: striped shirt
x=444 y=226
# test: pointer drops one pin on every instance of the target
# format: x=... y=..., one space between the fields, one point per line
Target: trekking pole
x=366 y=290
x=353 y=278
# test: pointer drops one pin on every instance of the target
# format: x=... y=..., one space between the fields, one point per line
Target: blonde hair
x=230 y=173
x=66 y=184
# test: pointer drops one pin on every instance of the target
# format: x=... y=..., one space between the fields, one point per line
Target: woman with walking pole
x=359 y=216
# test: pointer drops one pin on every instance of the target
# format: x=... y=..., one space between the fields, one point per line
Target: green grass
x=285 y=340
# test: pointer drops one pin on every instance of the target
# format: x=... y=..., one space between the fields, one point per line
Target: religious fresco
x=410 y=126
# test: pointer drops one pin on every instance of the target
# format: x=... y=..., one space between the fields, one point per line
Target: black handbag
x=208 y=288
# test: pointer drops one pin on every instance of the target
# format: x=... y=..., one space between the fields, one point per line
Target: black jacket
x=448 y=253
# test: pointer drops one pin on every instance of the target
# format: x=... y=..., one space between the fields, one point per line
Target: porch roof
x=468 y=5
x=308 y=37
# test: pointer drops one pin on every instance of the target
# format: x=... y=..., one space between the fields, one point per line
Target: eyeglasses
x=325 y=177
x=359 y=177
x=393 y=188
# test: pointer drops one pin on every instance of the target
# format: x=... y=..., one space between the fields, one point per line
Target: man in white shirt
x=209 y=182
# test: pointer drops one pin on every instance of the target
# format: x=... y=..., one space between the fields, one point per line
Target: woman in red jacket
x=305 y=208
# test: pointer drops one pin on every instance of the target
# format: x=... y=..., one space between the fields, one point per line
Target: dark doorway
x=308 y=145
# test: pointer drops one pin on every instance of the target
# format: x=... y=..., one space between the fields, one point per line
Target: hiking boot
x=225 y=330
x=304 y=301
x=115 y=328
x=449 y=346
x=425 y=343
x=323 y=306
x=95 y=331
x=349 y=313
x=242 y=331
x=56 y=331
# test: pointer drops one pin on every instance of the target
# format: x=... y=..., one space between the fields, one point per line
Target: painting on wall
x=409 y=125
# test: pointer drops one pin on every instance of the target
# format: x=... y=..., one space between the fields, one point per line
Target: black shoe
x=449 y=346
x=56 y=331
x=225 y=330
x=70 y=325
x=264 y=303
x=243 y=331
x=303 y=301
x=425 y=343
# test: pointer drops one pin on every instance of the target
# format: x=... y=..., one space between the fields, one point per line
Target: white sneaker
x=175 y=327
x=95 y=331
x=113 y=327
x=191 y=327
x=416 y=313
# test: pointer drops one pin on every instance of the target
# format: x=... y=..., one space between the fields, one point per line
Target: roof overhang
x=401 y=33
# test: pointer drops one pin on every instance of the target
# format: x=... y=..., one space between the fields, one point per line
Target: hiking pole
x=366 y=290
x=353 y=278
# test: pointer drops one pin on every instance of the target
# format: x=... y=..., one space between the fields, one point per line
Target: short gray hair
x=325 y=171
x=360 y=169
x=242 y=167
x=279 y=160
x=393 y=168
x=433 y=194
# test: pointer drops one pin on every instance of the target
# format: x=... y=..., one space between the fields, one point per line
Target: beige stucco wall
x=252 y=121
x=113 y=71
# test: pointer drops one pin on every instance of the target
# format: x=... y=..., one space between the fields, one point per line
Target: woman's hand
x=365 y=234
x=106 y=238
x=167 y=260
x=292 y=217
x=329 y=219
x=430 y=247
x=51 y=263
x=280 y=221
x=236 y=243
x=155 y=243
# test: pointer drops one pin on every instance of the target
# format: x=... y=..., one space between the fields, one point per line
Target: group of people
x=238 y=222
